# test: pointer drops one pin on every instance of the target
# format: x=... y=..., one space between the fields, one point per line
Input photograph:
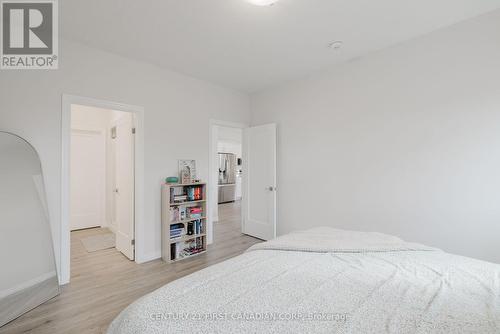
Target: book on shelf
x=195 y=212
x=189 y=252
x=183 y=213
x=196 y=209
x=198 y=226
x=183 y=249
x=174 y=192
x=195 y=227
x=186 y=194
x=180 y=199
x=176 y=231
x=176 y=226
x=192 y=247
x=174 y=251
x=194 y=193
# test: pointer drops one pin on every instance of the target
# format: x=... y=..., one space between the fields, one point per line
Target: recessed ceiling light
x=335 y=45
x=262 y=2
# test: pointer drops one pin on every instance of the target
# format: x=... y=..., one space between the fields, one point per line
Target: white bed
x=326 y=281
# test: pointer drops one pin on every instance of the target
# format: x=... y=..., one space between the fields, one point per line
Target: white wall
x=30 y=106
x=404 y=141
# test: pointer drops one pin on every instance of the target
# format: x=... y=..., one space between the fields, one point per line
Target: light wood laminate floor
x=104 y=282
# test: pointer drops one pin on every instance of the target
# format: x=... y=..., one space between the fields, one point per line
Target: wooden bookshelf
x=186 y=216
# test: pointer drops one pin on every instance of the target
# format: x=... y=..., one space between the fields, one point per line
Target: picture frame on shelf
x=187 y=171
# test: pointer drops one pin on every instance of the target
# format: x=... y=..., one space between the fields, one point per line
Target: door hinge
x=133 y=131
x=132 y=242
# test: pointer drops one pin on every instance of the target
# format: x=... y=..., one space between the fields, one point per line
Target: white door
x=124 y=185
x=87 y=170
x=259 y=182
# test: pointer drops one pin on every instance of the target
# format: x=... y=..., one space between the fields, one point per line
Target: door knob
x=271 y=188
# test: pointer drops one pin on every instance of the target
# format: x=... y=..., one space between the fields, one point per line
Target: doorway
x=252 y=152
x=118 y=207
x=229 y=174
x=102 y=180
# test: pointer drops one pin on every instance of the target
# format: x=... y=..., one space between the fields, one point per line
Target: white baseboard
x=27 y=284
x=26 y=296
x=148 y=257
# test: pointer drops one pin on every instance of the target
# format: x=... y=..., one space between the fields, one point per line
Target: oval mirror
x=28 y=272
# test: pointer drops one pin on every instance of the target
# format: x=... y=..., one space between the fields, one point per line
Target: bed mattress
x=326 y=281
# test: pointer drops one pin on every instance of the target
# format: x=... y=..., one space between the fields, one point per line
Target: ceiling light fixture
x=262 y=2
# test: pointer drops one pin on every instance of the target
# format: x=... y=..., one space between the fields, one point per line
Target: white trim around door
x=67 y=101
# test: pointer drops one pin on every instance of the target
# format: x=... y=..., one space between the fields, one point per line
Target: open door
x=259 y=181
x=124 y=185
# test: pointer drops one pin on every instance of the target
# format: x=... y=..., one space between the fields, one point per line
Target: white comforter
x=326 y=281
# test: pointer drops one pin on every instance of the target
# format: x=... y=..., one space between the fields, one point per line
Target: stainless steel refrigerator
x=227 y=177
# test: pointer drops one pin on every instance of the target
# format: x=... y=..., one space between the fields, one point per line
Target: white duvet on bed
x=326 y=281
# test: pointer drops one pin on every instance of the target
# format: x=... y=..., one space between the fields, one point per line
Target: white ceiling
x=247 y=47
